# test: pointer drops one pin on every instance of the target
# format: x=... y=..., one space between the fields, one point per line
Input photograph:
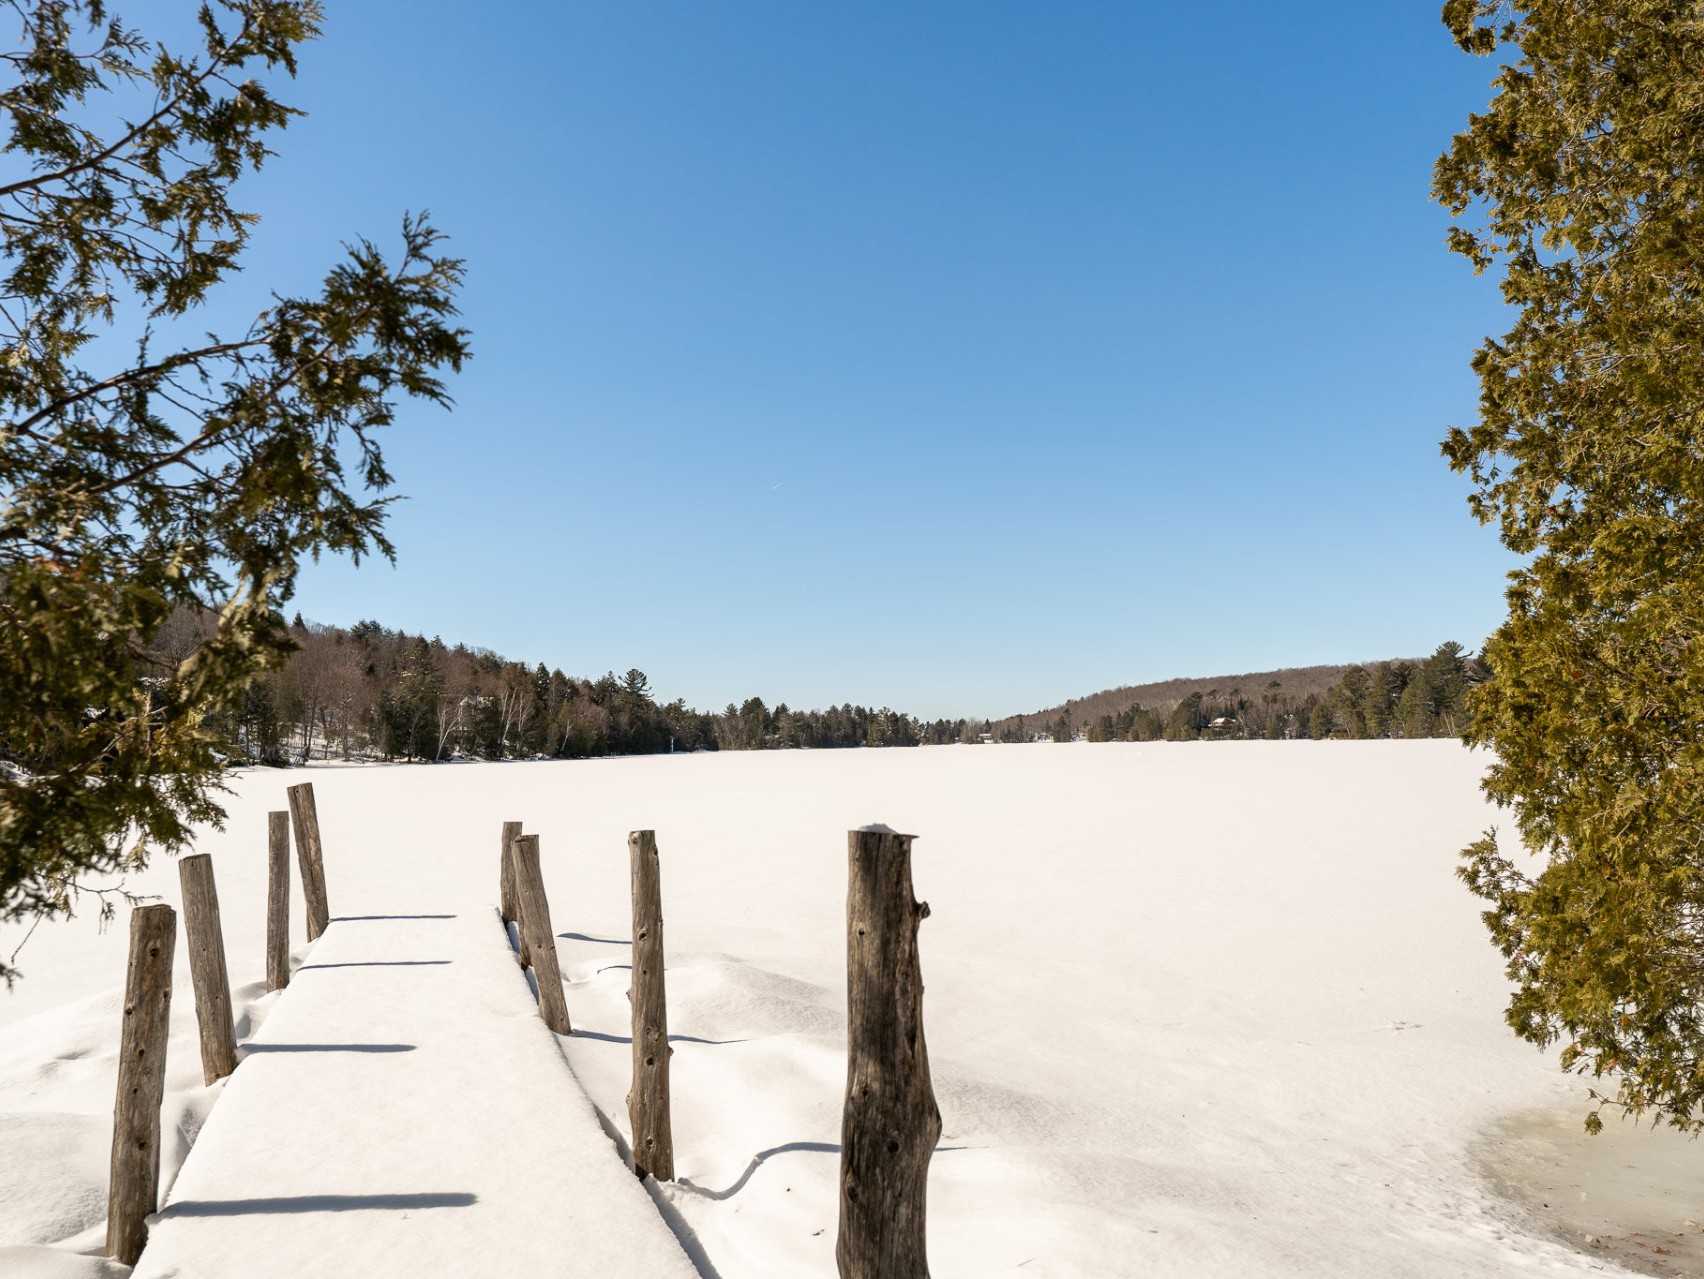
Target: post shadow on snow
x=762 y=1156
x=673 y=1039
x=757 y=1161
x=378 y=963
x=359 y=919
x=600 y=941
x=601 y=970
x=316 y=1203
x=325 y=1048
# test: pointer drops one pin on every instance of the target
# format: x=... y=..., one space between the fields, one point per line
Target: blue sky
x=958 y=357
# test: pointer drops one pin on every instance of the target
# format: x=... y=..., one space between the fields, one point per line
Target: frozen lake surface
x=1203 y=1010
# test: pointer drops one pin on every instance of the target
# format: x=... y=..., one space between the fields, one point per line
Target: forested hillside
x=1400 y=698
x=1161 y=697
x=368 y=692
x=371 y=692
x=375 y=693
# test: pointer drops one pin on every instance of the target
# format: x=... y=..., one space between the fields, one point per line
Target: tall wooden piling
x=508 y=896
x=890 y=1123
x=277 y=900
x=304 y=817
x=134 y=1190
x=541 y=942
x=506 y=874
x=205 y=940
x=648 y=1100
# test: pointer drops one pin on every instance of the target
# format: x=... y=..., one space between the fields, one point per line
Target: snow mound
x=53 y=1166
x=51 y=1263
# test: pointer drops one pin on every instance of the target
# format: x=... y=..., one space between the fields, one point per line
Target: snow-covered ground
x=1193 y=1010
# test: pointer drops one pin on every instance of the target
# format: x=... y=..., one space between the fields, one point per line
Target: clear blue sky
x=961 y=357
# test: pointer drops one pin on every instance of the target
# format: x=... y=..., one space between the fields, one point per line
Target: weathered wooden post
x=277 y=900
x=648 y=1101
x=134 y=1191
x=205 y=940
x=506 y=875
x=305 y=818
x=890 y=1123
x=508 y=897
x=541 y=943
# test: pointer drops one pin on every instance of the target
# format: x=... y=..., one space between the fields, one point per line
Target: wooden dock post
x=304 y=817
x=508 y=896
x=890 y=1123
x=205 y=940
x=277 y=900
x=506 y=875
x=134 y=1190
x=541 y=942
x=648 y=1101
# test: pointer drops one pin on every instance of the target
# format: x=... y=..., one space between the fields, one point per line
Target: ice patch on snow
x=1631 y=1193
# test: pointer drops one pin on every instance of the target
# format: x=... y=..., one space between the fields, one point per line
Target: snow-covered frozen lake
x=1203 y=1010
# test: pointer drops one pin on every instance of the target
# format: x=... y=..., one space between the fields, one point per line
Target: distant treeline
x=1389 y=699
x=368 y=692
x=754 y=726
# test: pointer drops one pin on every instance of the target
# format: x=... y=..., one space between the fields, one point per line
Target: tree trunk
x=277 y=900
x=541 y=943
x=890 y=1123
x=205 y=941
x=648 y=1101
x=304 y=816
x=135 y=1172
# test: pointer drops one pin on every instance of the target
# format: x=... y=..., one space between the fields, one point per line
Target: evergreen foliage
x=146 y=466
x=1584 y=185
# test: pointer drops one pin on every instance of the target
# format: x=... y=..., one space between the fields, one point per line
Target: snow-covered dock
x=403 y=1111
